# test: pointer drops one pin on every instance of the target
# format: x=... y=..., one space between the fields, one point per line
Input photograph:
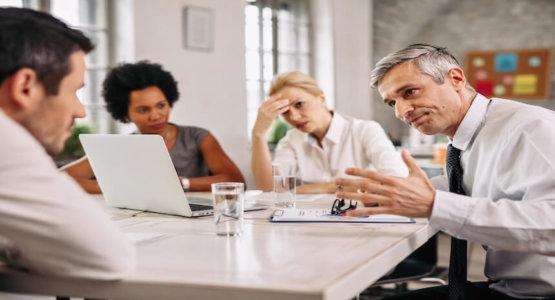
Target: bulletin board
x=513 y=74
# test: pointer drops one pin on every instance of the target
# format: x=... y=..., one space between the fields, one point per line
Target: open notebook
x=323 y=215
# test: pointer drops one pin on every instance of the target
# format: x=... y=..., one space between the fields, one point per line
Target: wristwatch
x=185 y=183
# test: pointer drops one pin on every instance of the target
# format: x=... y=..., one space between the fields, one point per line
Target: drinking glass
x=285 y=187
x=228 y=201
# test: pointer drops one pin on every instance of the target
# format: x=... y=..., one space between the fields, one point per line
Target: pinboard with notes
x=513 y=74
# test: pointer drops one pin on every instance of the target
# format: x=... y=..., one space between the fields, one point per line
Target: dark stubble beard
x=40 y=126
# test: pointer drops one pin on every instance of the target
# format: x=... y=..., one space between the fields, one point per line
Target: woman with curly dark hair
x=143 y=93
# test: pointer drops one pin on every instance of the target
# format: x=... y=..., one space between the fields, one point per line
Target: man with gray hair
x=500 y=176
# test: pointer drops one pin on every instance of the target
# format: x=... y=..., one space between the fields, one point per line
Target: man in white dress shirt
x=501 y=174
x=48 y=224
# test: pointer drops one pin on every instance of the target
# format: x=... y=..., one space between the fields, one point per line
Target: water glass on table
x=285 y=186
x=228 y=201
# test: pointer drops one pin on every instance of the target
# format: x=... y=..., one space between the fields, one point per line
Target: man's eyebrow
x=404 y=87
x=398 y=90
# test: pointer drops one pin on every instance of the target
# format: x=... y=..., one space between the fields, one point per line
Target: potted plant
x=72 y=147
x=277 y=132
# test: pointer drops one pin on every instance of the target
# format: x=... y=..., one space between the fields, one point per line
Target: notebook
x=323 y=215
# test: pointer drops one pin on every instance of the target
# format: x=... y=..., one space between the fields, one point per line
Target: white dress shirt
x=48 y=224
x=348 y=143
x=508 y=161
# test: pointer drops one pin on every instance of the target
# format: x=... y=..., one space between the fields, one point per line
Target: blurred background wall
x=461 y=26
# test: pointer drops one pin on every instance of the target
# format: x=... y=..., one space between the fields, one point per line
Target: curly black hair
x=126 y=78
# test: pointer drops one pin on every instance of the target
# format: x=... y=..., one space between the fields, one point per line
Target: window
x=277 y=38
x=89 y=16
x=34 y=4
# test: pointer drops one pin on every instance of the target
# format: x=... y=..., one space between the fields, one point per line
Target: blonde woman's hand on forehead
x=268 y=112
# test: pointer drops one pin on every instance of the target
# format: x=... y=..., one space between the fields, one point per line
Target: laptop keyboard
x=197 y=207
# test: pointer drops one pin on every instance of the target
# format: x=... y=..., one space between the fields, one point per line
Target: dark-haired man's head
x=142 y=93
x=42 y=65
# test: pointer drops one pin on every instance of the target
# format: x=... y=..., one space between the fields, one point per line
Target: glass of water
x=228 y=201
x=285 y=187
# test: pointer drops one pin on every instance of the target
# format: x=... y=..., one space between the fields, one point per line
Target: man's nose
x=402 y=109
x=79 y=110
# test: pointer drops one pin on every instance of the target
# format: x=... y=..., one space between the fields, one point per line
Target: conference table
x=182 y=258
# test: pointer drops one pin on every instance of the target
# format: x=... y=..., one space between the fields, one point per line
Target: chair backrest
x=427 y=253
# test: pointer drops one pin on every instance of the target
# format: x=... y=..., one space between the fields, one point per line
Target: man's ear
x=24 y=89
x=457 y=78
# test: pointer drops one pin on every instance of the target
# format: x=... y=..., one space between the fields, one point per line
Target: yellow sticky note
x=525 y=84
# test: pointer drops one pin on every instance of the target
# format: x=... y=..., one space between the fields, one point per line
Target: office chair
x=420 y=265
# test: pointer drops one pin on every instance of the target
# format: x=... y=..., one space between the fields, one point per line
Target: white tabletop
x=182 y=258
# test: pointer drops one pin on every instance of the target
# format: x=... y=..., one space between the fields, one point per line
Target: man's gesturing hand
x=412 y=196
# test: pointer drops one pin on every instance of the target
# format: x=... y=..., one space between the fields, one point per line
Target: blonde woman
x=322 y=144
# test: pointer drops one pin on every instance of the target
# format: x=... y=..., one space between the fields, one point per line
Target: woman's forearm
x=317 y=188
x=261 y=162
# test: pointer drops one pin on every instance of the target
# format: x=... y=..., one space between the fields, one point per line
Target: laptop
x=136 y=172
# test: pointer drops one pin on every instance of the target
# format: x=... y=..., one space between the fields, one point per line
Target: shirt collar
x=337 y=126
x=471 y=122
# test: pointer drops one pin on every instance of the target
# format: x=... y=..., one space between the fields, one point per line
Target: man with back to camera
x=500 y=176
x=48 y=225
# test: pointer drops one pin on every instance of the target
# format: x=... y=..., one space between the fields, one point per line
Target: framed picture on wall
x=198 y=28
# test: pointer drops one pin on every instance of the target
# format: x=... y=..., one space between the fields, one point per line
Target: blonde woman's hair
x=295 y=79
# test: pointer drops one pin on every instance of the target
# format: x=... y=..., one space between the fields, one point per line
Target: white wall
x=342 y=38
x=351 y=42
x=212 y=84
x=323 y=49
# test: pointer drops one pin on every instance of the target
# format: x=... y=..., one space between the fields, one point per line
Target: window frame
x=97 y=116
x=297 y=7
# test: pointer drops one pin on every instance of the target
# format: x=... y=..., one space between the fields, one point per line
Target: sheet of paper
x=506 y=62
x=323 y=215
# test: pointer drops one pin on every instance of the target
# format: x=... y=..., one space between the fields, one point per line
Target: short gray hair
x=429 y=59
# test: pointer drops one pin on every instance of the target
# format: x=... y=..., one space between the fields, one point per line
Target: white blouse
x=348 y=143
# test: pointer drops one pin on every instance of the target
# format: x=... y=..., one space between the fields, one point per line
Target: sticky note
x=485 y=87
x=481 y=75
x=506 y=62
x=534 y=61
x=507 y=79
x=478 y=62
x=499 y=90
x=526 y=84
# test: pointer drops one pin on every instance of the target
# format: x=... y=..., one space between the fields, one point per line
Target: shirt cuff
x=450 y=212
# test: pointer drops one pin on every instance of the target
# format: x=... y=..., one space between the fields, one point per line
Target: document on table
x=323 y=215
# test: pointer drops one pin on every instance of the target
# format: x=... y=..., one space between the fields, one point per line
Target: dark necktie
x=457 y=262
